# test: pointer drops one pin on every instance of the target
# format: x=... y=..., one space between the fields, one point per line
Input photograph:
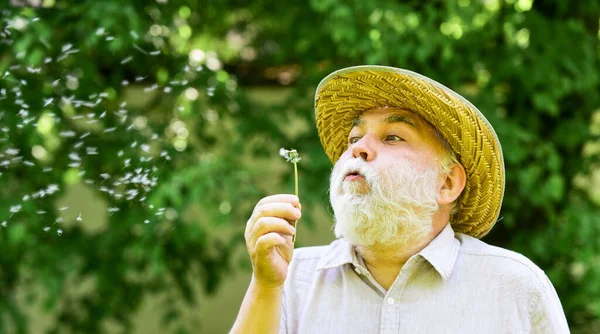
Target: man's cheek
x=347 y=154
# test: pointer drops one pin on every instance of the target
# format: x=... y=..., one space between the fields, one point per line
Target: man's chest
x=357 y=307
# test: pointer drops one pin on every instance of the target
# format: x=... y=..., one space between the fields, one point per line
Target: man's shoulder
x=497 y=258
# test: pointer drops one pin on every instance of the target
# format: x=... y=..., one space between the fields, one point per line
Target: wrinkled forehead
x=395 y=115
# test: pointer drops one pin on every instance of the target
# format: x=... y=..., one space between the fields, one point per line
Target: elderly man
x=418 y=179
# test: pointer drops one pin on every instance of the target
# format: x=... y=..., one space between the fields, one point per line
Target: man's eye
x=353 y=140
x=393 y=138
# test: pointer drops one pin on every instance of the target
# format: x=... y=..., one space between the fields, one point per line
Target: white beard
x=391 y=209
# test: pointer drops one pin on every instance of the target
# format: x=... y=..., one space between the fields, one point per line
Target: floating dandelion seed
x=11 y=151
x=52 y=189
x=293 y=157
x=47 y=228
x=79 y=218
x=59 y=232
x=3 y=223
x=140 y=49
x=66 y=47
x=15 y=209
x=67 y=134
x=63 y=208
x=146 y=221
x=151 y=88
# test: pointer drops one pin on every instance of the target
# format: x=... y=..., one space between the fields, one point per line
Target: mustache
x=353 y=166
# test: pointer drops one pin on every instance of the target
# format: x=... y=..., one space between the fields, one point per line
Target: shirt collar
x=341 y=252
x=441 y=253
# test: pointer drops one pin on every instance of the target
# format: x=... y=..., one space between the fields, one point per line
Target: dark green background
x=533 y=68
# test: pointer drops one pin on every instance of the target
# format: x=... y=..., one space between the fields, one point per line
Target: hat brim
x=345 y=94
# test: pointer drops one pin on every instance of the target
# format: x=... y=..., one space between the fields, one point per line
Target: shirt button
x=358 y=271
x=391 y=301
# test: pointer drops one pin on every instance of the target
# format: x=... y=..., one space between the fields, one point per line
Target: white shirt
x=457 y=284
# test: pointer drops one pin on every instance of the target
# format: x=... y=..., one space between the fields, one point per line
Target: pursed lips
x=353 y=175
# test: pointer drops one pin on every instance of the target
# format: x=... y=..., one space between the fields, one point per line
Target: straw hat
x=345 y=94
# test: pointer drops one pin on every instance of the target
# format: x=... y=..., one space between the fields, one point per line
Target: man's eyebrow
x=396 y=118
x=358 y=122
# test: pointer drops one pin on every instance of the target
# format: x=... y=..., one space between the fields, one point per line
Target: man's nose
x=364 y=148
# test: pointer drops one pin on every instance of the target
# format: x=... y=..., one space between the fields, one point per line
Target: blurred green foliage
x=185 y=68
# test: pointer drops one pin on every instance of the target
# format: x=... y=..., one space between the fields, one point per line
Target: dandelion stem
x=296 y=177
x=296 y=188
x=293 y=157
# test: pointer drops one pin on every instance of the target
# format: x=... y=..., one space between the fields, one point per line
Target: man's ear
x=452 y=184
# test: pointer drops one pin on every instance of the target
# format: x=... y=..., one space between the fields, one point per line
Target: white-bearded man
x=418 y=178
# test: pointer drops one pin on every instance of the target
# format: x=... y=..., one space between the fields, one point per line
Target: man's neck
x=385 y=263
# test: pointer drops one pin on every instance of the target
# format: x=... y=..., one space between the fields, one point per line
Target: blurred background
x=137 y=136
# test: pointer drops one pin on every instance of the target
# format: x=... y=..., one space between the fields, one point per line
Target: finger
x=268 y=241
x=266 y=225
x=280 y=198
x=279 y=210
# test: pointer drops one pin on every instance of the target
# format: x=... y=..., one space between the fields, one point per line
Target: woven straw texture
x=345 y=94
